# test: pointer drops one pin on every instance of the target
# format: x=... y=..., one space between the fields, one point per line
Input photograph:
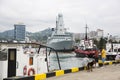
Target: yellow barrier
x=99 y=61
x=40 y=76
x=75 y=69
x=59 y=72
x=85 y=67
x=110 y=63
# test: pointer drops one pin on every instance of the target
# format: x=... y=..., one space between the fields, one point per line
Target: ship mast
x=86 y=37
x=56 y=24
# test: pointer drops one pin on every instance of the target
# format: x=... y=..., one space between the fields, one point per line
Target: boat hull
x=83 y=53
x=80 y=55
x=62 y=45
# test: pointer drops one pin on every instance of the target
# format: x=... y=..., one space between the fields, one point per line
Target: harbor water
x=67 y=61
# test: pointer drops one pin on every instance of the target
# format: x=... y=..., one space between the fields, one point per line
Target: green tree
x=77 y=40
x=96 y=42
x=102 y=43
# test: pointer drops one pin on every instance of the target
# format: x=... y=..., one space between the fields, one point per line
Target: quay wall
x=43 y=76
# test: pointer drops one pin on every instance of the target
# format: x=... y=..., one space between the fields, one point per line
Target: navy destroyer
x=60 y=39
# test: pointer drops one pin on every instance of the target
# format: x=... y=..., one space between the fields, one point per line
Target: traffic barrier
x=43 y=76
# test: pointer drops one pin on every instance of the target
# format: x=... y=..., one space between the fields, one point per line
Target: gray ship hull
x=62 y=45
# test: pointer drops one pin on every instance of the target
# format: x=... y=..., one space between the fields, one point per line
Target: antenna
x=86 y=27
x=86 y=38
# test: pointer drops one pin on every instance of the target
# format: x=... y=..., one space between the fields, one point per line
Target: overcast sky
x=38 y=15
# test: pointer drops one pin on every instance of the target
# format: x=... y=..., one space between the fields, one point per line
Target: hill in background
x=37 y=36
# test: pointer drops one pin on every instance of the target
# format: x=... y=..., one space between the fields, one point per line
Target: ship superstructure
x=60 y=40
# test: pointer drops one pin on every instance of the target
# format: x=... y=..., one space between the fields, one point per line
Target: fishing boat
x=86 y=47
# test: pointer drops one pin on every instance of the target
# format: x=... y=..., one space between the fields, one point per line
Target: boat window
x=119 y=50
x=12 y=55
x=115 y=50
x=31 y=61
x=3 y=56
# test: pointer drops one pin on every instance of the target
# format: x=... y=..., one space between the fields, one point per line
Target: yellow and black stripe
x=58 y=72
x=107 y=63
x=47 y=75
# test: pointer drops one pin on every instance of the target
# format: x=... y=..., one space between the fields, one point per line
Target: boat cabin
x=112 y=49
x=23 y=59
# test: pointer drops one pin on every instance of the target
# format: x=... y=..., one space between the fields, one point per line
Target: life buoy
x=25 y=70
x=31 y=71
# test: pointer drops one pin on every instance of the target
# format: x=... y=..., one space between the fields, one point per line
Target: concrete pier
x=108 y=72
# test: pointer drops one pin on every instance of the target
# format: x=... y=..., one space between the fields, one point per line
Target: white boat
x=60 y=40
x=112 y=49
x=23 y=59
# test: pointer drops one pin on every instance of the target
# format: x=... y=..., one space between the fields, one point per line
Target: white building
x=100 y=33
